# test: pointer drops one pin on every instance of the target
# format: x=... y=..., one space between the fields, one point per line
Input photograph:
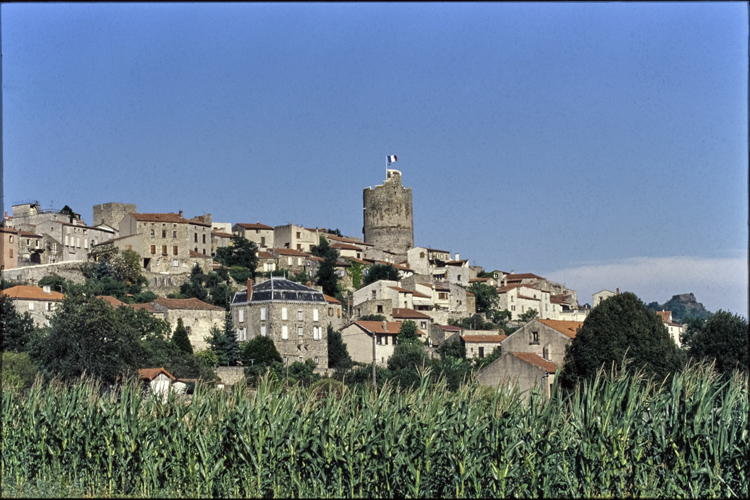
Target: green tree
x=17 y=329
x=193 y=287
x=378 y=272
x=485 y=296
x=408 y=357
x=372 y=317
x=66 y=210
x=455 y=371
x=408 y=332
x=338 y=355
x=55 y=282
x=18 y=371
x=180 y=338
x=723 y=339
x=326 y=276
x=221 y=295
x=453 y=348
x=529 y=315
x=242 y=253
x=356 y=273
x=224 y=343
x=621 y=326
x=499 y=317
x=87 y=335
x=260 y=351
x=241 y=274
x=482 y=362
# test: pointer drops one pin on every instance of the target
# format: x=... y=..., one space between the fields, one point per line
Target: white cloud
x=719 y=283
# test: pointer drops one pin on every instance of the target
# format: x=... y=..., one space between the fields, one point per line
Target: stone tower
x=111 y=214
x=388 y=221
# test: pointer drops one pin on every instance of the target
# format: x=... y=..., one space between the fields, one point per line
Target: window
x=204 y=251
x=315 y=315
x=11 y=253
x=263 y=331
x=316 y=333
x=298 y=234
x=262 y=313
x=299 y=331
x=511 y=298
x=164 y=249
x=47 y=306
x=380 y=340
x=31 y=306
x=283 y=313
x=299 y=261
x=443 y=295
x=243 y=333
x=78 y=242
x=153 y=233
x=11 y=239
x=204 y=239
x=553 y=307
x=187 y=328
x=163 y=233
x=422 y=324
x=289 y=260
x=535 y=337
x=481 y=352
x=284 y=332
x=85 y=243
x=512 y=308
x=28 y=242
x=195 y=237
x=330 y=311
x=175 y=263
x=380 y=308
x=545 y=352
x=545 y=306
x=174 y=234
x=174 y=250
x=299 y=314
x=37 y=243
x=374 y=294
x=262 y=241
x=241 y=315
x=153 y=249
x=316 y=360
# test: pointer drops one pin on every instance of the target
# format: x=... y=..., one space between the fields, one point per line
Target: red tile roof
x=344 y=246
x=28 y=234
x=664 y=315
x=111 y=300
x=567 y=328
x=290 y=251
x=197 y=255
x=521 y=276
x=147 y=306
x=192 y=303
x=24 y=292
x=484 y=338
x=406 y=313
x=257 y=225
x=151 y=373
x=449 y=328
x=536 y=360
x=168 y=217
x=559 y=299
x=262 y=254
x=392 y=327
x=330 y=299
x=347 y=240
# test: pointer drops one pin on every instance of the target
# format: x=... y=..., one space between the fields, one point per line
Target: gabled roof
x=151 y=373
x=484 y=338
x=664 y=315
x=420 y=295
x=263 y=254
x=567 y=328
x=257 y=225
x=148 y=307
x=536 y=360
x=344 y=239
x=29 y=234
x=25 y=292
x=406 y=313
x=391 y=327
x=191 y=303
x=521 y=276
x=222 y=234
x=399 y=289
x=114 y=302
x=330 y=299
x=168 y=217
x=290 y=251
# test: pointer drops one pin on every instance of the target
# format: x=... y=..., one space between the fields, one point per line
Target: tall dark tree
x=485 y=296
x=193 y=287
x=260 y=351
x=17 y=329
x=454 y=348
x=378 y=272
x=242 y=253
x=326 y=276
x=180 y=338
x=723 y=339
x=224 y=343
x=338 y=355
x=408 y=332
x=619 y=327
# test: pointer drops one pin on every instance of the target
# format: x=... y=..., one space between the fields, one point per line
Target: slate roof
x=536 y=360
x=280 y=289
x=25 y=292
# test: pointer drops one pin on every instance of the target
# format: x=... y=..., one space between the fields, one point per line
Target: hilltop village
x=439 y=291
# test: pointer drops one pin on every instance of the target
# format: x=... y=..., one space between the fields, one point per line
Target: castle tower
x=388 y=221
x=110 y=214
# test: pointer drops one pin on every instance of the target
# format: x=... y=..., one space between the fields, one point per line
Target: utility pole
x=374 y=377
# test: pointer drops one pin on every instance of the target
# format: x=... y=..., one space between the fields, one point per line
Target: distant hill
x=682 y=306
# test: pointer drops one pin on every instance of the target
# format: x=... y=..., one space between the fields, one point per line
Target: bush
x=19 y=372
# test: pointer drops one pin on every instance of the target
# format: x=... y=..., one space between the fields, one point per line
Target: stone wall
x=200 y=322
x=507 y=371
x=230 y=375
x=549 y=340
x=30 y=275
x=112 y=213
x=388 y=218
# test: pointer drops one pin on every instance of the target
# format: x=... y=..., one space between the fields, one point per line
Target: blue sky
x=603 y=145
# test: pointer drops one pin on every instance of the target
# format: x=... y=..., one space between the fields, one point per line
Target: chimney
x=180 y=213
x=249 y=288
x=385 y=326
x=47 y=289
x=309 y=284
x=618 y=291
x=457 y=256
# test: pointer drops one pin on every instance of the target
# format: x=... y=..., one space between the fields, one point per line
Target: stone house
x=545 y=337
x=260 y=234
x=520 y=299
x=164 y=240
x=294 y=316
x=75 y=238
x=295 y=261
x=602 y=295
x=358 y=337
x=481 y=343
x=524 y=370
x=197 y=316
x=31 y=249
x=377 y=294
x=458 y=272
x=401 y=314
x=334 y=311
x=540 y=283
x=441 y=333
x=267 y=261
x=675 y=330
x=9 y=248
x=296 y=237
x=40 y=303
x=219 y=239
x=424 y=260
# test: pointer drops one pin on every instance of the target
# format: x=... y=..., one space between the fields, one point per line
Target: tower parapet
x=388 y=219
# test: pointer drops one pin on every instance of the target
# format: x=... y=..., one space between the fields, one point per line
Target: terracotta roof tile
x=24 y=292
x=192 y=303
x=168 y=217
x=197 y=255
x=521 y=276
x=484 y=338
x=151 y=373
x=290 y=251
x=664 y=315
x=262 y=254
x=330 y=299
x=536 y=360
x=344 y=246
x=399 y=289
x=147 y=306
x=406 y=313
x=111 y=300
x=257 y=225
x=567 y=328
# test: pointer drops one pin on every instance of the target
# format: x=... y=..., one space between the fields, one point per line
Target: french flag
x=391 y=159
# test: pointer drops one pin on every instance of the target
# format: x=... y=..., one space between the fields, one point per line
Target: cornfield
x=619 y=436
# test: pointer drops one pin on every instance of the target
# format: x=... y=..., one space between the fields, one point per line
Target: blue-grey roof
x=281 y=289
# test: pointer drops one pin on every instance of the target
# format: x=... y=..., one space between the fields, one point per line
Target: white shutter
x=262 y=313
x=315 y=315
x=242 y=315
x=283 y=313
x=263 y=331
x=284 y=332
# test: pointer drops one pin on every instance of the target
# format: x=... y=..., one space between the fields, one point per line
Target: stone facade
x=526 y=371
x=546 y=338
x=260 y=234
x=388 y=218
x=294 y=316
x=40 y=303
x=481 y=343
x=197 y=316
x=111 y=214
x=295 y=237
x=358 y=337
x=8 y=248
x=76 y=240
x=32 y=274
